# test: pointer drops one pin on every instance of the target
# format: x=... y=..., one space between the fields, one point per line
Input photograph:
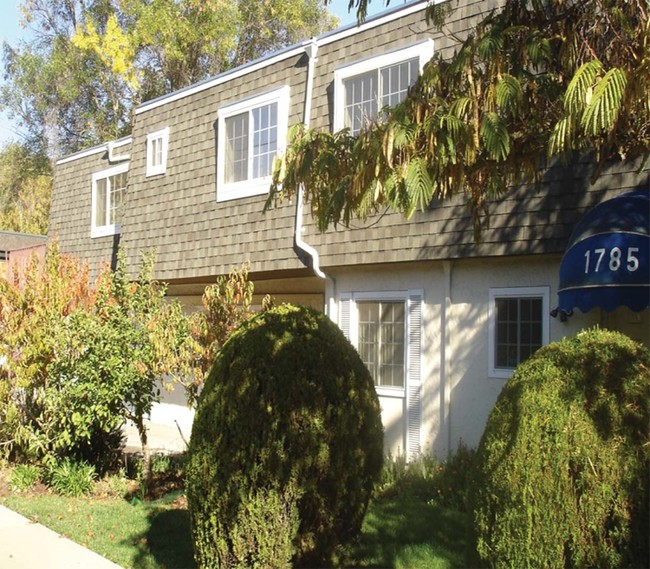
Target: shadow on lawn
x=168 y=540
x=409 y=533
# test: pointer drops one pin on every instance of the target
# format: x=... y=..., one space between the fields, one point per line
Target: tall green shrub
x=288 y=414
x=563 y=464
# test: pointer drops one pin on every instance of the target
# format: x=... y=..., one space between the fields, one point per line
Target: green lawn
x=400 y=531
x=139 y=535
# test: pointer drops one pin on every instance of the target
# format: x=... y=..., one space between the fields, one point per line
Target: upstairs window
x=108 y=189
x=519 y=326
x=362 y=89
x=251 y=133
x=157 y=143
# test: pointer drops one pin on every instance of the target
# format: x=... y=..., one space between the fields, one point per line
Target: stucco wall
x=458 y=393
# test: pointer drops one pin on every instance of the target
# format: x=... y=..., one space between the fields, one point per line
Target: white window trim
x=103 y=230
x=161 y=168
x=256 y=186
x=396 y=296
x=423 y=50
x=515 y=292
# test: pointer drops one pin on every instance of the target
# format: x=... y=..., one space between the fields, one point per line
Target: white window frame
x=384 y=296
x=542 y=292
x=254 y=186
x=411 y=393
x=104 y=230
x=162 y=136
x=423 y=50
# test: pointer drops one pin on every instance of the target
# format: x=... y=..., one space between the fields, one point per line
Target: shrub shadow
x=168 y=540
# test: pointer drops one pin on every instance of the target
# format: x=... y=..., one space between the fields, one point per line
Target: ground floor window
x=386 y=329
x=519 y=326
x=382 y=340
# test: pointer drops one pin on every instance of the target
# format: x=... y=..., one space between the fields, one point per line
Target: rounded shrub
x=562 y=468
x=286 y=445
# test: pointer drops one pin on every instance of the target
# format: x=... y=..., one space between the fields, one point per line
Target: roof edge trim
x=94 y=150
x=290 y=51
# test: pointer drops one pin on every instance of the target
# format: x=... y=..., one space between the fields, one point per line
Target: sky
x=11 y=32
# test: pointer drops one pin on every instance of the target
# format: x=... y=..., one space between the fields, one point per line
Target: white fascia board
x=291 y=51
x=94 y=150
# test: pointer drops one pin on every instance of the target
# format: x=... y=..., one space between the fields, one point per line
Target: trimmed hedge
x=563 y=465
x=289 y=416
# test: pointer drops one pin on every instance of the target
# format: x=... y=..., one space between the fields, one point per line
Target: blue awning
x=606 y=261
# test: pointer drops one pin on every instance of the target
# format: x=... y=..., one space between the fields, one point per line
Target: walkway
x=27 y=545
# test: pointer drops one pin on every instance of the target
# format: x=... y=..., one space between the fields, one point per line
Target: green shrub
x=289 y=411
x=71 y=478
x=24 y=476
x=104 y=449
x=263 y=534
x=454 y=479
x=562 y=468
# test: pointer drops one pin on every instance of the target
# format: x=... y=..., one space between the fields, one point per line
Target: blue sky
x=11 y=32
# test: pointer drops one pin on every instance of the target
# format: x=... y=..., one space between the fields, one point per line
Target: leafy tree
x=151 y=340
x=33 y=309
x=226 y=305
x=89 y=63
x=533 y=81
x=64 y=96
x=80 y=358
x=25 y=189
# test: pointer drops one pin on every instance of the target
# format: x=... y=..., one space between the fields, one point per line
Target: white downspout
x=305 y=252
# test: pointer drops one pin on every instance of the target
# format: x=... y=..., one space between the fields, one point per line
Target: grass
x=406 y=532
x=401 y=530
x=142 y=535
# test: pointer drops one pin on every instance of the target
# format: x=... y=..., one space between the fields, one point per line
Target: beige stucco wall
x=458 y=393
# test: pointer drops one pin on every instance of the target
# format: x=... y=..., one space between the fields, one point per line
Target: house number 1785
x=613 y=261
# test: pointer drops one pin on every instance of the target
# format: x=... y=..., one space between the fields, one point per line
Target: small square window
x=519 y=326
x=157 y=143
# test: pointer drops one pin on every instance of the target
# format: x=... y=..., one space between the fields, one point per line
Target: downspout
x=305 y=252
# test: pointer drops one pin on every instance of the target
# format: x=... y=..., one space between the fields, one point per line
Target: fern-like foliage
x=532 y=81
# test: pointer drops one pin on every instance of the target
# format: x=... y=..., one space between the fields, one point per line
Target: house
x=16 y=249
x=440 y=320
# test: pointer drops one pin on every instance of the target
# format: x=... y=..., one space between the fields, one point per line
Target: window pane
x=155 y=152
x=360 y=100
x=265 y=139
x=100 y=202
x=382 y=341
x=395 y=81
x=518 y=330
x=117 y=187
x=369 y=335
x=236 y=159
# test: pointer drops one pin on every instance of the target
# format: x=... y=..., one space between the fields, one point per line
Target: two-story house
x=439 y=320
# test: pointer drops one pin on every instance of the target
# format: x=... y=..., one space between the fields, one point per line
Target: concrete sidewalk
x=27 y=545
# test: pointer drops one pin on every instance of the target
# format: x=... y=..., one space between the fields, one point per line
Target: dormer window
x=250 y=135
x=157 y=143
x=362 y=89
x=108 y=189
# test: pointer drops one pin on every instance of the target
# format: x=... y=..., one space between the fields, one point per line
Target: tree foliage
x=88 y=63
x=226 y=306
x=81 y=357
x=25 y=190
x=533 y=81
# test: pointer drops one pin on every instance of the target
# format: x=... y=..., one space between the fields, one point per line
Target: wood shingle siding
x=197 y=238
